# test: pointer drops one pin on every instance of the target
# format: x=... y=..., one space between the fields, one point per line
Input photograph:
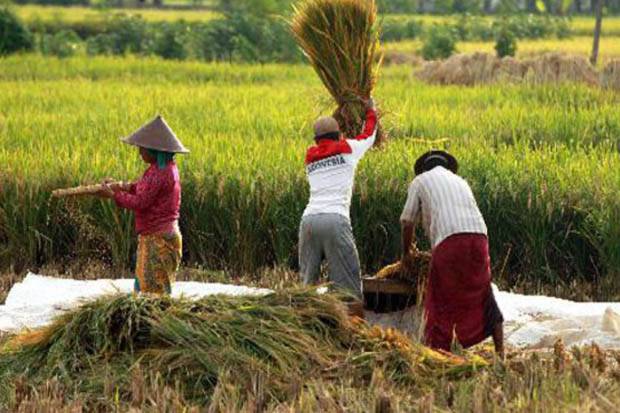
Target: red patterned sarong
x=459 y=299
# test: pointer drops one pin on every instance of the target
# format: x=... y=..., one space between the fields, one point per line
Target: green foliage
x=262 y=38
x=169 y=41
x=440 y=43
x=255 y=7
x=14 y=36
x=506 y=43
x=398 y=28
x=397 y=6
x=61 y=44
x=239 y=37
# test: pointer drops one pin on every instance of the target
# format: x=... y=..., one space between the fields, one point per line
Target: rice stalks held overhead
x=341 y=40
x=193 y=344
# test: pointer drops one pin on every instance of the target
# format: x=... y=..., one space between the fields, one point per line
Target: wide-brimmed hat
x=326 y=125
x=156 y=135
x=444 y=158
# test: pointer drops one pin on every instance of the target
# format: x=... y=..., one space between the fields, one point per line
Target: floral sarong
x=158 y=259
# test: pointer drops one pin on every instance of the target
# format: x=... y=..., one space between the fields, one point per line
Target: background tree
x=597 y=31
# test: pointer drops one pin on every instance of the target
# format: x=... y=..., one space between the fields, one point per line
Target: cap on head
x=156 y=135
x=326 y=127
x=432 y=159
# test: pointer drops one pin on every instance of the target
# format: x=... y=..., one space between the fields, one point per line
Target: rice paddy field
x=578 y=45
x=531 y=154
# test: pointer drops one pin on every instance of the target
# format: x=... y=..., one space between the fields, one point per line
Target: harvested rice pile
x=416 y=273
x=193 y=344
x=610 y=78
x=341 y=40
x=482 y=68
x=417 y=270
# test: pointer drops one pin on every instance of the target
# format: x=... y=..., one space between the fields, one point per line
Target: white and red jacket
x=331 y=165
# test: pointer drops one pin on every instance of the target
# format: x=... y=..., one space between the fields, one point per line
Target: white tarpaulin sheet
x=531 y=321
x=37 y=299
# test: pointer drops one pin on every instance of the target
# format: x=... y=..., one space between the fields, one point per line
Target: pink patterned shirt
x=155 y=200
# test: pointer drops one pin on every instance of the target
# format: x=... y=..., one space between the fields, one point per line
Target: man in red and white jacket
x=325 y=230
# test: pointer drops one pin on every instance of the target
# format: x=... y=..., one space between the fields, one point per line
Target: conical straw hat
x=156 y=135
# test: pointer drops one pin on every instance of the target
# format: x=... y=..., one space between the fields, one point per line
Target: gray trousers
x=329 y=236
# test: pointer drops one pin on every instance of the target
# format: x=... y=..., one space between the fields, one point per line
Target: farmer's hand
x=124 y=186
x=407 y=260
x=106 y=191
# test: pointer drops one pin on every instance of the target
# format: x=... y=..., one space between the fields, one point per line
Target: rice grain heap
x=341 y=40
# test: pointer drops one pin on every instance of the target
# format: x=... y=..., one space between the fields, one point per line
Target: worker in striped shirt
x=459 y=303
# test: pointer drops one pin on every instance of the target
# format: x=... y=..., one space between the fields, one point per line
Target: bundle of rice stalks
x=192 y=344
x=409 y=361
x=84 y=189
x=483 y=68
x=610 y=78
x=341 y=40
x=560 y=68
x=416 y=270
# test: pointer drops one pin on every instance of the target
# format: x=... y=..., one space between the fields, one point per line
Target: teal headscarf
x=162 y=158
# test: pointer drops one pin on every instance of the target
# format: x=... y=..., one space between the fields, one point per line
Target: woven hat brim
x=156 y=135
x=180 y=150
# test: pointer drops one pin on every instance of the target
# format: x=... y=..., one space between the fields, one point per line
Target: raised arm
x=370 y=125
x=364 y=141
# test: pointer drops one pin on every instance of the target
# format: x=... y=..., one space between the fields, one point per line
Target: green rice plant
x=340 y=39
x=530 y=153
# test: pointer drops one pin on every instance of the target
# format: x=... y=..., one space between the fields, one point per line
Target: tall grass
x=543 y=162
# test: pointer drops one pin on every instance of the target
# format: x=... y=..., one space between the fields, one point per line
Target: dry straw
x=192 y=344
x=84 y=190
x=341 y=40
x=483 y=68
x=417 y=272
x=610 y=78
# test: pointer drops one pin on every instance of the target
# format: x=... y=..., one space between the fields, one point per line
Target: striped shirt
x=445 y=203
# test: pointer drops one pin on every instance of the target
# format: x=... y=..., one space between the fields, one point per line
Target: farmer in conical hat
x=459 y=302
x=325 y=230
x=155 y=200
